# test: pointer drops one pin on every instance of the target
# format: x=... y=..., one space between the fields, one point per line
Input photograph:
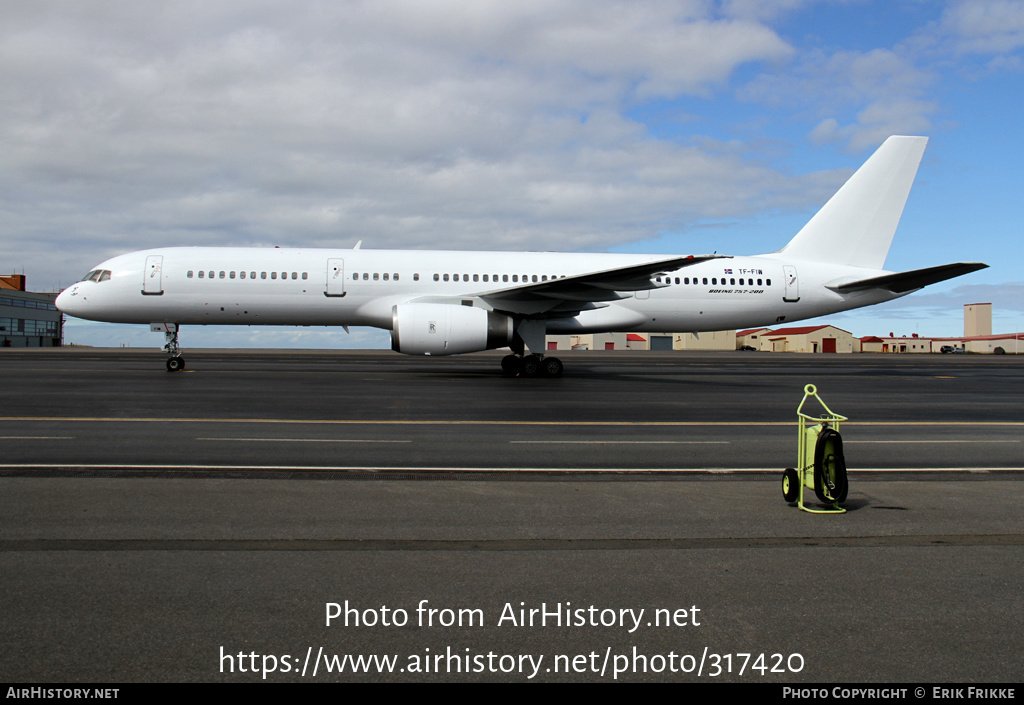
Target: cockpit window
x=97 y=275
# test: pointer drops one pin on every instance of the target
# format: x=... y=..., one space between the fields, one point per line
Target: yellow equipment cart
x=820 y=463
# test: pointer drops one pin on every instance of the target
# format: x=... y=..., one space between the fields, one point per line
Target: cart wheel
x=830 y=481
x=790 y=485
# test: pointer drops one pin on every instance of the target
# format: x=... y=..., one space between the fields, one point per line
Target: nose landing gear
x=175 y=363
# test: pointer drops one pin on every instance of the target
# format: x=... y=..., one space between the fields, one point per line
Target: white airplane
x=448 y=302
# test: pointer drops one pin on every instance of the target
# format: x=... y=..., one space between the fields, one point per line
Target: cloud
x=883 y=90
x=985 y=26
x=402 y=123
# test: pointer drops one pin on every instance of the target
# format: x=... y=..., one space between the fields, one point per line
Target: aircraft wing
x=902 y=282
x=582 y=291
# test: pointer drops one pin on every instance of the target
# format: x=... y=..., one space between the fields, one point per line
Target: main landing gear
x=531 y=366
x=519 y=364
x=175 y=363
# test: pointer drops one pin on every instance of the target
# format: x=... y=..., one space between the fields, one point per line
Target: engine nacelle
x=447 y=329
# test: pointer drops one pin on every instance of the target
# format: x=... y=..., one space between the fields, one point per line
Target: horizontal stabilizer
x=902 y=282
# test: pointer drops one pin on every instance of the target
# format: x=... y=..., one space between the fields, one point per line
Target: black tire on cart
x=790 y=485
x=830 y=481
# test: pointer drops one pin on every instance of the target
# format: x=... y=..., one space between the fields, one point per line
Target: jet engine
x=447 y=329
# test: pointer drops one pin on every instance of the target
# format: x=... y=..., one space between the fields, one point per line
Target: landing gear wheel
x=830 y=482
x=510 y=365
x=552 y=366
x=790 y=485
x=175 y=364
x=531 y=365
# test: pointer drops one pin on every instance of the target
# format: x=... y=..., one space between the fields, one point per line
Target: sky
x=647 y=126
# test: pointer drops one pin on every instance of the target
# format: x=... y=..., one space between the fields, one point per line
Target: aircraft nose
x=67 y=299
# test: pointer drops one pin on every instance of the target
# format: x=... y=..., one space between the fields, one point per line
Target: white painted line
x=398 y=468
x=474 y=422
x=652 y=443
x=943 y=441
x=36 y=438
x=302 y=440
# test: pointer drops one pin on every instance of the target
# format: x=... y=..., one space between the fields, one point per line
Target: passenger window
x=263 y=275
x=189 y=275
x=386 y=276
x=252 y=275
x=732 y=282
x=366 y=276
x=437 y=277
x=759 y=282
x=222 y=274
x=355 y=276
x=705 y=280
x=305 y=275
x=485 y=278
x=295 y=275
x=241 y=275
x=455 y=277
x=515 y=277
x=504 y=277
x=476 y=277
x=376 y=276
x=395 y=278
x=273 y=275
x=231 y=275
x=446 y=277
x=768 y=282
x=201 y=273
x=415 y=276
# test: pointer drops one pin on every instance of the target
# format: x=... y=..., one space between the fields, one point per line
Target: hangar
x=807 y=339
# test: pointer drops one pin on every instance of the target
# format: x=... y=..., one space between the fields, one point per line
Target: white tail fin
x=857 y=224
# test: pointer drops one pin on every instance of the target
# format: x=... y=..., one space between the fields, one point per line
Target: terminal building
x=28 y=319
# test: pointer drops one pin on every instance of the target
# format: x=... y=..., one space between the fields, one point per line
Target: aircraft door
x=152 y=277
x=335 y=277
x=792 y=292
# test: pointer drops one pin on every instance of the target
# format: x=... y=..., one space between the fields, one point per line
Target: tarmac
x=203 y=525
